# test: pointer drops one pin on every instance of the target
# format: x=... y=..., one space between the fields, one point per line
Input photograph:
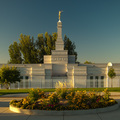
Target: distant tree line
x=88 y=62
x=30 y=51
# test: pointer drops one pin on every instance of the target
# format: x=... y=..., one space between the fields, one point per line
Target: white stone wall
x=59 y=70
x=47 y=59
x=59 y=57
x=80 y=81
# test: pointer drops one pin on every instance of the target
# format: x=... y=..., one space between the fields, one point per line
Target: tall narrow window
x=96 y=81
x=96 y=77
x=26 y=82
x=102 y=81
x=21 y=77
x=26 y=77
x=102 y=77
x=91 y=77
x=91 y=81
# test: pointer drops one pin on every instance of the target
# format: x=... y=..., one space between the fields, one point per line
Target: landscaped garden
x=64 y=99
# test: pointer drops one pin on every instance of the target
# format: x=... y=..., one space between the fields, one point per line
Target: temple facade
x=59 y=66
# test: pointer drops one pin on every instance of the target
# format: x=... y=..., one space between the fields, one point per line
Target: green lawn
x=16 y=91
x=99 y=89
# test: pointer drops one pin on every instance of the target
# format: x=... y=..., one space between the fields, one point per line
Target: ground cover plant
x=64 y=99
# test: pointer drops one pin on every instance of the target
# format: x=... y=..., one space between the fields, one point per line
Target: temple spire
x=59 y=42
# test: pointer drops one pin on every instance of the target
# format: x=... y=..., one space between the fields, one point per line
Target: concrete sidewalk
x=21 y=95
x=6 y=114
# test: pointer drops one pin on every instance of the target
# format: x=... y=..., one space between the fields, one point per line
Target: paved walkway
x=6 y=114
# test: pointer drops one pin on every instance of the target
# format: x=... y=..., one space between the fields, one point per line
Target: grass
x=17 y=91
x=98 y=89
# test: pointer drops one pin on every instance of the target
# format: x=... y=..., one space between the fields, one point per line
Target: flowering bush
x=70 y=95
x=35 y=94
x=30 y=101
x=70 y=100
x=106 y=94
x=53 y=99
x=62 y=93
x=61 y=89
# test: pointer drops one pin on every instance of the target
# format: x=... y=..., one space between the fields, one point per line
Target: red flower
x=50 y=105
x=97 y=100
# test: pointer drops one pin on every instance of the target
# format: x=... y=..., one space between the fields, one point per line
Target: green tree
x=88 y=62
x=54 y=38
x=15 y=54
x=27 y=47
x=9 y=75
x=70 y=46
x=111 y=74
x=45 y=44
x=33 y=52
x=49 y=43
x=40 y=45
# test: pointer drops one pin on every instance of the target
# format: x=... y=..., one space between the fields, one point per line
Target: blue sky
x=94 y=25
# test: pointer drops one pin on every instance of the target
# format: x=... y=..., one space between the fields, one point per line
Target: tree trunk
x=111 y=83
x=7 y=86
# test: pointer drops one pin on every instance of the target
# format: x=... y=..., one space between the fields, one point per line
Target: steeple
x=59 y=56
x=59 y=42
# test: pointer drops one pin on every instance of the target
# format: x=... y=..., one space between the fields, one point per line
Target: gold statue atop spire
x=60 y=14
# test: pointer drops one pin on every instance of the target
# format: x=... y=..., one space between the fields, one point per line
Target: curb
x=67 y=113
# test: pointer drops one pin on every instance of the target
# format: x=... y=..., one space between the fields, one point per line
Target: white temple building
x=59 y=66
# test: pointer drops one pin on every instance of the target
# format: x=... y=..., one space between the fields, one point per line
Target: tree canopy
x=30 y=51
x=88 y=62
x=9 y=75
x=111 y=73
x=15 y=54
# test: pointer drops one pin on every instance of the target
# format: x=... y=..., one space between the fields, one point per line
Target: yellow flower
x=111 y=100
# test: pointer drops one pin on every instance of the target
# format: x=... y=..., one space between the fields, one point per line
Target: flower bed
x=64 y=99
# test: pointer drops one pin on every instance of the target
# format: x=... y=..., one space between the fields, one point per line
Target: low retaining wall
x=66 y=112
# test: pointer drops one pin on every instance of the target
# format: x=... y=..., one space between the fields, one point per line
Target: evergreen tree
x=70 y=46
x=40 y=45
